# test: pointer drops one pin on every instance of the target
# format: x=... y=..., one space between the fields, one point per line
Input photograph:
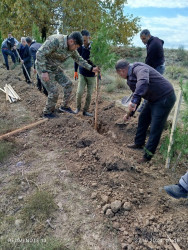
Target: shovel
x=126 y=100
x=121 y=122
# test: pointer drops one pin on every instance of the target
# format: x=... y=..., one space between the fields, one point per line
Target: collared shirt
x=54 y=52
x=146 y=82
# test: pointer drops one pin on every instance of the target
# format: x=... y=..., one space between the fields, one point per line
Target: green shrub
x=176 y=72
x=109 y=88
x=1 y=39
x=6 y=148
x=181 y=53
x=41 y=204
x=180 y=138
x=36 y=33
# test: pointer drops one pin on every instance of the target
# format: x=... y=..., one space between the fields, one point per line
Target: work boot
x=176 y=191
x=134 y=146
x=66 y=110
x=85 y=113
x=143 y=160
x=77 y=111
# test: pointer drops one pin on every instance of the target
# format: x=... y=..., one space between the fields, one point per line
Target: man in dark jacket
x=155 y=54
x=86 y=77
x=8 y=48
x=146 y=82
x=26 y=59
x=33 y=48
x=155 y=51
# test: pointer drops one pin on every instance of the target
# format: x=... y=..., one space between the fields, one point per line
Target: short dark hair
x=145 y=32
x=28 y=39
x=85 y=33
x=121 y=64
x=77 y=37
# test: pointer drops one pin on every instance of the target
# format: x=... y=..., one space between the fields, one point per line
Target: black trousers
x=153 y=115
x=25 y=74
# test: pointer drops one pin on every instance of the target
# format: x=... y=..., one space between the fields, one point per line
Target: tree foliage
x=18 y=16
x=101 y=54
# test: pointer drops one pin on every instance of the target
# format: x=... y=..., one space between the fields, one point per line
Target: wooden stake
x=96 y=101
x=2 y=137
x=175 y=245
x=14 y=92
x=174 y=123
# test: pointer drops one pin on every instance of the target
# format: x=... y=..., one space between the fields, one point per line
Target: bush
x=40 y=204
x=175 y=72
x=181 y=54
x=6 y=148
x=179 y=148
x=36 y=35
x=1 y=39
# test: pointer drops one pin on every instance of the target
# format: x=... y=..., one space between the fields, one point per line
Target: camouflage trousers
x=52 y=89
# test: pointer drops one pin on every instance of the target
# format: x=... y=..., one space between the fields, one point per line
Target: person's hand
x=22 y=61
x=75 y=75
x=132 y=106
x=96 y=70
x=34 y=70
x=45 y=77
x=14 y=47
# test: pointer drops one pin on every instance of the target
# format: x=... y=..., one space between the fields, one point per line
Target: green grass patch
x=6 y=148
x=41 y=205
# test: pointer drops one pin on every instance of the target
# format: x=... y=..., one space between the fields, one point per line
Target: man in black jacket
x=33 y=48
x=26 y=59
x=155 y=52
x=86 y=77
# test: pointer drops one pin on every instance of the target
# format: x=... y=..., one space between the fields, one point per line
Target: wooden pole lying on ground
x=174 y=123
x=24 y=66
x=96 y=101
x=2 y=137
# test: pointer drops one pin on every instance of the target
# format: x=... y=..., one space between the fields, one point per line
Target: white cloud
x=158 y=3
x=174 y=31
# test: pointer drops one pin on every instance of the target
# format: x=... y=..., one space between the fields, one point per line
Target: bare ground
x=85 y=171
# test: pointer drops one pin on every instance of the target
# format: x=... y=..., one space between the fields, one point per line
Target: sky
x=166 y=19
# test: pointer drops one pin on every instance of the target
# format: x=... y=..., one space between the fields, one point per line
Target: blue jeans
x=161 y=69
x=153 y=115
x=7 y=53
x=184 y=181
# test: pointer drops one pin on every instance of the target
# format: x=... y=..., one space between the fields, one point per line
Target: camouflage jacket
x=54 y=52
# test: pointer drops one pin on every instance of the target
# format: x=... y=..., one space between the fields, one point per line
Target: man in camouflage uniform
x=50 y=57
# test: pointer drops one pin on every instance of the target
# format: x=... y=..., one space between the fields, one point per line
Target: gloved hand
x=75 y=75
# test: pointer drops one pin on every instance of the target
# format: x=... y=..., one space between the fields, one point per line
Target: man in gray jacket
x=179 y=190
x=146 y=82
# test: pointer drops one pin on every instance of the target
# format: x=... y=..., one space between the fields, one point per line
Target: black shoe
x=142 y=160
x=135 y=146
x=66 y=109
x=49 y=116
x=87 y=114
x=77 y=111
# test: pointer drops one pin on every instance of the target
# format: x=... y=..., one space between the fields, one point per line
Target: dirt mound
x=108 y=200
